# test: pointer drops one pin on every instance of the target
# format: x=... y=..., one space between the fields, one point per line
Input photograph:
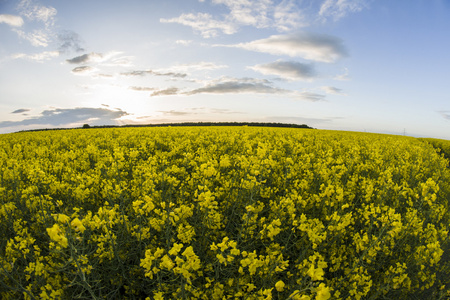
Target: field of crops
x=222 y=213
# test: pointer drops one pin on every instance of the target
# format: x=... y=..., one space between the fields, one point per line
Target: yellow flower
x=158 y=296
x=323 y=292
x=175 y=249
x=78 y=225
x=166 y=262
x=279 y=286
x=62 y=218
x=315 y=274
x=57 y=235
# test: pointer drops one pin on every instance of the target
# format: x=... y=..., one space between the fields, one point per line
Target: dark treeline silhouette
x=251 y=124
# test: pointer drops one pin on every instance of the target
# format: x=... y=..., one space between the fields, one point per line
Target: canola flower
x=223 y=213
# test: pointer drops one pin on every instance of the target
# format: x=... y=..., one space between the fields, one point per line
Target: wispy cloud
x=93 y=62
x=124 y=61
x=38 y=57
x=308 y=96
x=86 y=58
x=344 y=76
x=11 y=20
x=21 y=110
x=445 y=114
x=197 y=66
x=288 y=16
x=83 y=70
x=299 y=120
x=333 y=90
x=137 y=73
x=316 y=47
x=37 y=38
x=203 y=23
x=152 y=72
x=37 y=12
x=141 y=88
x=252 y=13
x=183 y=42
x=165 y=92
x=283 y=16
x=70 y=116
x=238 y=86
x=338 y=9
x=287 y=69
x=227 y=85
x=174 y=112
x=69 y=41
x=197 y=111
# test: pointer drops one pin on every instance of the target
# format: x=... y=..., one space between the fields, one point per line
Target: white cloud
x=309 y=96
x=85 y=58
x=20 y=111
x=197 y=111
x=283 y=16
x=37 y=38
x=41 y=35
x=165 y=92
x=183 y=42
x=69 y=41
x=141 y=88
x=203 y=23
x=93 y=57
x=236 y=87
x=84 y=70
x=153 y=72
x=343 y=76
x=124 y=61
x=317 y=47
x=288 y=16
x=253 y=13
x=338 y=9
x=37 y=12
x=333 y=90
x=198 y=66
x=39 y=57
x=287 y=69
x=11 y=20
x=445 y=114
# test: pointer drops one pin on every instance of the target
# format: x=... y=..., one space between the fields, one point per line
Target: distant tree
x=86 y=126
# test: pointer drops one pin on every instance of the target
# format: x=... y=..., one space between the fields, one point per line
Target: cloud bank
x=62 y=117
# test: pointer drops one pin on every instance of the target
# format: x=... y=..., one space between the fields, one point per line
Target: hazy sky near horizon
x=364 y=65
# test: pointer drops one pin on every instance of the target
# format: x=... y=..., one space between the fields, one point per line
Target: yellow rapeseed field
x=222 y=213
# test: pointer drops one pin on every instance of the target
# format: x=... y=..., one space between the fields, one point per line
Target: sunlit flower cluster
x=222 y=213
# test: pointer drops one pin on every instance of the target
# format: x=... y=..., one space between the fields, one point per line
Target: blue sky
x=361 y=65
